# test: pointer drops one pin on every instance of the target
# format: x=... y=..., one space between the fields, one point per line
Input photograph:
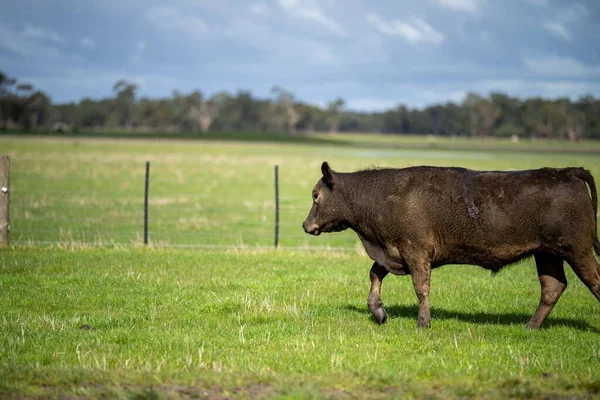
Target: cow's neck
x=360 y=205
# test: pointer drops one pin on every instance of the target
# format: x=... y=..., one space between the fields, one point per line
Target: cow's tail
x=589 y=179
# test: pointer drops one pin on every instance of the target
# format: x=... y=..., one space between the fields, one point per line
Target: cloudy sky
x=373 y=53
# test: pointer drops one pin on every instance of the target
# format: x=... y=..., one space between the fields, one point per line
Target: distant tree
x=482 y=115
x=397 y=120
x=200 y=111
x=284 y=106
x=66 y=114
x=446 y=119
x=92 y=113
x=510 y=110
x=248 y=111
x=474 y=119
x=545 y=119
x=312 y=118
x=574 y=120
x=6 y=99
x=22 y=105
x=228 y=115
x=497 y=114
x=590 y=107
x=39 y=110
x=334 y=110
x=125 y=102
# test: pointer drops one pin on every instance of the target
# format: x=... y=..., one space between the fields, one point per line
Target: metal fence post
x=146 y=203
x=276 y=206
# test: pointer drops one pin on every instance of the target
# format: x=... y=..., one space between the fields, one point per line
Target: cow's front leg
x=421 y=275
x=377 y=273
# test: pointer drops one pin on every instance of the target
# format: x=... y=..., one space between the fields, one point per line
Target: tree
x=446 y=119
x=125 y=102
x=334 y=110
x=544 y=119
x=23 y=106
x=497 y=114
x=39 y=110
x=6 y=98
x=201 y=110
x=284 y=106
x=590 y=107
x=574 y=120
x=396 y=120
x=92 y=114
x=311 y=118
x=482 y=115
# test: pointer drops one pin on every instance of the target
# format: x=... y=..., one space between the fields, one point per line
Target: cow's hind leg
x=377 y=273
x=421 y=276
x=587 y=269
x=551 y=273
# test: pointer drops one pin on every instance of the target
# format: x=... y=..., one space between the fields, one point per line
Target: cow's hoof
x=380 y=315
x=533 y=325
x=423 y=324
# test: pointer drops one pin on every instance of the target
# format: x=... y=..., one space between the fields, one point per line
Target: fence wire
x=88 y=210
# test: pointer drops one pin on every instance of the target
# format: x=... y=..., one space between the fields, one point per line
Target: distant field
x=86 y=312
x=211 y=193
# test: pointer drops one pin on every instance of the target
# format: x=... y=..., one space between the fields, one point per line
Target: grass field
x=85 y=311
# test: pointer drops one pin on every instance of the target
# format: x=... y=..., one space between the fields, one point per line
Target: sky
x=375 y=54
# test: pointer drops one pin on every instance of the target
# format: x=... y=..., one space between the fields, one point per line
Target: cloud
x=311 y=10
x=538 y=2
x=26 y=45
x=279 y=46
x=259 y=9
x=572 y=14
x=468 y=6
x=87 y=43
x=416 y=31
x=168 y=18
x=555 y=66
x=557 y=29
x=36 y=32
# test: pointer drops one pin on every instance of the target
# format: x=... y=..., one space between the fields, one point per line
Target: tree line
x=24 y=107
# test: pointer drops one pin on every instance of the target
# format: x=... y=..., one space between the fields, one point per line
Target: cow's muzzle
x=311 y=228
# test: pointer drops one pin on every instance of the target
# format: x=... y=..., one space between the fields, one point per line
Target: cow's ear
x=327 y=174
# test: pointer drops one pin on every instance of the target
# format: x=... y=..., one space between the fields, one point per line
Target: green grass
x=244 y=320
x=119 y=322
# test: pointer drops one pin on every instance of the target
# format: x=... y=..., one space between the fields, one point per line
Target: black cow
x=414 y=219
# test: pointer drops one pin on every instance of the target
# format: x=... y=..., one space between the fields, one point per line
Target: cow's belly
x=493 y=257
x=389 y=257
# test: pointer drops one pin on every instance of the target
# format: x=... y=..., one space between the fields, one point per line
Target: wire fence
x=89 y=208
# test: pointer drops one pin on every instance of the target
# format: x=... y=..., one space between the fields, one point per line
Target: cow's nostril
x=309 y=228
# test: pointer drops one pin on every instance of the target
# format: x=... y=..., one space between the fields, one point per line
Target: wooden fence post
x=4 y=199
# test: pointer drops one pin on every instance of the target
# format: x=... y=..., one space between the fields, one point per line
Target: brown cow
x=414 y=219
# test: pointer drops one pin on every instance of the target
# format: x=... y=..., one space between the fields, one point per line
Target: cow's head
x=329 y=209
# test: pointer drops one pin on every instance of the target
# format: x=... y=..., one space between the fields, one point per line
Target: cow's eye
x=315 y=196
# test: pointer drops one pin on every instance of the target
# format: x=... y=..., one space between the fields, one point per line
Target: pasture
x=210 y=309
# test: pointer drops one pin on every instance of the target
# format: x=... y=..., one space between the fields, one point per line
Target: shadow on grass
x=411 y=311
